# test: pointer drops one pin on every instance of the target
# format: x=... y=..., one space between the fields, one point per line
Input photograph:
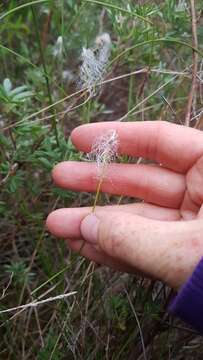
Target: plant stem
x=155 y=41
x=54 y=124
x=192 y=92
x=20 y=7
x=115 y=7
x=97 y=193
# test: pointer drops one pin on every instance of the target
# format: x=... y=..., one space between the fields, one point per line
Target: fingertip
x=77 y=136
x=74 y=134
x=48 y=223
x=63 y=223
x=84 y=135
x=61 y=174
x=56 y=171
x=52 y=223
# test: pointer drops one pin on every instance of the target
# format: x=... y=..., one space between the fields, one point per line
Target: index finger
x=174 y=146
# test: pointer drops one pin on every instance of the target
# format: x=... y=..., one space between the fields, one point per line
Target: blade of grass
x=170 y=40
x=27 y=61
x=115 y=7
x=130 y=112
x=54 y=123
x=17 y=8
x=68 y=97
x=138 y=325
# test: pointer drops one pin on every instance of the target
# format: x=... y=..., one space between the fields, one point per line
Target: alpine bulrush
x=94 y=63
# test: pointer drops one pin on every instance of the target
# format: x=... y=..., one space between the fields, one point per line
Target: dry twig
x=194 y=65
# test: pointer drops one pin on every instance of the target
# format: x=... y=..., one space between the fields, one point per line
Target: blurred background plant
x=157 y=53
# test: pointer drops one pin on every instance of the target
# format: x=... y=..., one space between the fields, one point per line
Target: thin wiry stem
x=138 y=324
x=97 y=194
x=125 y=11
x=194 y=66
x=7 y=286
x=68 y=97
x=160 y=40
x=33 y=304
x=103 y=152
x=50 y=279
x=20 y=7
x=23 y=58
x=27 y=61
x=83 y=92
x=87 y=302
x=54 y=124
x=130 y=112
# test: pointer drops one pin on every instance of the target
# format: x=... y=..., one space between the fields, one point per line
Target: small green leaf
x=18 y=90
x=23 y=96
x=4 y=141
x=46 y=163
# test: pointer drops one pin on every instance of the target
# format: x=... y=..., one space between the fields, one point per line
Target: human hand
x=162 y=236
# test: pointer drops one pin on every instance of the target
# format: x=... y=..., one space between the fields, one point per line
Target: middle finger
x=150 y=183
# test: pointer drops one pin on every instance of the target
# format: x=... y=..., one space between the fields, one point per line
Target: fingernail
x=89 y=228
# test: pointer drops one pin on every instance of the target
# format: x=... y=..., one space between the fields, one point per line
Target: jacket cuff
x=188 y=304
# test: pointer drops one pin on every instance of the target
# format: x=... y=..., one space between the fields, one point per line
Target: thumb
x=165 y=250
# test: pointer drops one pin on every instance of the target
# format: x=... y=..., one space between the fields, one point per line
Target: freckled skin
x=195 y=243
x=163 y=235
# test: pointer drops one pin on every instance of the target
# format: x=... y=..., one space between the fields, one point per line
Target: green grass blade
x=115 y=7
x=21 y=7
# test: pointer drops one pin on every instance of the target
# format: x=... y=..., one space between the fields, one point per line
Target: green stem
x=115 y=7
x=21 y=7
x=54 y=125
x=27 y=61
x=169 y=40
x=131 y=111
x=88 y=111
x=50 y=279
x=62 y=34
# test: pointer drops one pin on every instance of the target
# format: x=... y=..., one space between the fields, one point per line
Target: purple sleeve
x=188 y=304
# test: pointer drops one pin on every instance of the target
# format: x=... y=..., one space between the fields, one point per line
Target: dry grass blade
x=192 y=93
x=34 y=304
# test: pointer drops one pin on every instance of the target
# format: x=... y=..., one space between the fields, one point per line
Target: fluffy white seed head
x=103 y=44
x=90 y=71
x=94 y=63
x=104 y=150
x=181 y=6
x=58 y=47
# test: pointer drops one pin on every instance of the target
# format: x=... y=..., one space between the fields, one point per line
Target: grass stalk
x=118 y=8
x=54 y=122
x=159 y=40
x=20 y=7
x=97 y=194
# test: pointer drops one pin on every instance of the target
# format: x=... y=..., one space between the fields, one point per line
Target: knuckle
x=194 y=182
x=112 y=237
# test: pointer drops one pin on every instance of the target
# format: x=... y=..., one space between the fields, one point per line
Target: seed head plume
x=94 y=63
x=58 y=47
x=104 y=150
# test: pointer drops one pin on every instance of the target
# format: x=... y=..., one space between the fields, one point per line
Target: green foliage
x=119 y=311
x=19 y=272
x=35 y=123
x=13 y=98
x=44 y=354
